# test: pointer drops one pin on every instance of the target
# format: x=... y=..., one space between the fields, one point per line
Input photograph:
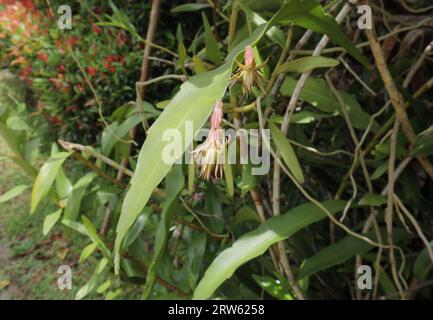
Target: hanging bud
x=249 y=73
x=210 y=155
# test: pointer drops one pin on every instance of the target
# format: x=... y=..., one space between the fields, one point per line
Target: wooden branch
x=395 y=96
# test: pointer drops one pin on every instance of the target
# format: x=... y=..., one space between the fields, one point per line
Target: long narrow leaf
x=255 y=243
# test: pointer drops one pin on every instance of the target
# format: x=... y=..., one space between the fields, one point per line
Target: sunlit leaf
x=46 y=176
x=14 y=192
x=50 y=220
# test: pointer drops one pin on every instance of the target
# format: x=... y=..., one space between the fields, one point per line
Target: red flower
x=72 y=41
x=92 y=71
x=62 y=68
x=96 y=29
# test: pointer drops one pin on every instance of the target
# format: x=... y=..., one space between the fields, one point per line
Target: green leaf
x=344 y=250
x=380 y=171
x=50 y=220
x=248 y=181
x=306 y=64
x=193 y=103
x=274 y=33
x=63 y=184
x=198 y=64
x=46 y=176
x=228 y=176
x=309 y=14
x=358 y=117
x=287 y=153
x=174 y=185
x=94 y=236
x=87 y=252
x=423 y=146
x=195 y=253
x=92 y=283
x=316 y=92
x=212 y=49
x=256 y=242
x=423 y=264
x=10 y=137
x=245 y=214
x=137 y=227
x=76 y=226
x=274 y=287
x=74 y=201
x=111 y=134
x=190 y=7
x=301 y=117
x=372 y=199
x=14 y=192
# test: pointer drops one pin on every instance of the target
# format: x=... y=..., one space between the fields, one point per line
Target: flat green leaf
x=423 y=146
x=316 y=92
x=111 y=134
x=274 y=33
x=306 y=64
x=190 y=7
x=87 y=251
x=256 y=242
x=137 y=227
x=372 y=199
x=248 y=181
x=423 y=264
x=196 y=251
x=76 y=226
x=193 y=103
x=174 y=185
x=93 y=282
x=309 y=14
x=74 y=201
x=358 y=117
x=50 y=220
x=301 y=117
x=380 y=171
x=344 y=250
x=94 y=236
x=287 y=153
x=212 y=49
x=63 y=184
x=46 y=176
x=14 y=192
x=245 y=214
x=10 y=138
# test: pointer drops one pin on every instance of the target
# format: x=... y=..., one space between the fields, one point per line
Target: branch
x=395 y=96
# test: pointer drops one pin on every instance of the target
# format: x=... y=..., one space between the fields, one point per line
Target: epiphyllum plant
x=210 y=155
x=249 y=72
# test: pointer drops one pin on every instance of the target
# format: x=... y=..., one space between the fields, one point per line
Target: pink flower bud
x=217 y=115
x=249 y=56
